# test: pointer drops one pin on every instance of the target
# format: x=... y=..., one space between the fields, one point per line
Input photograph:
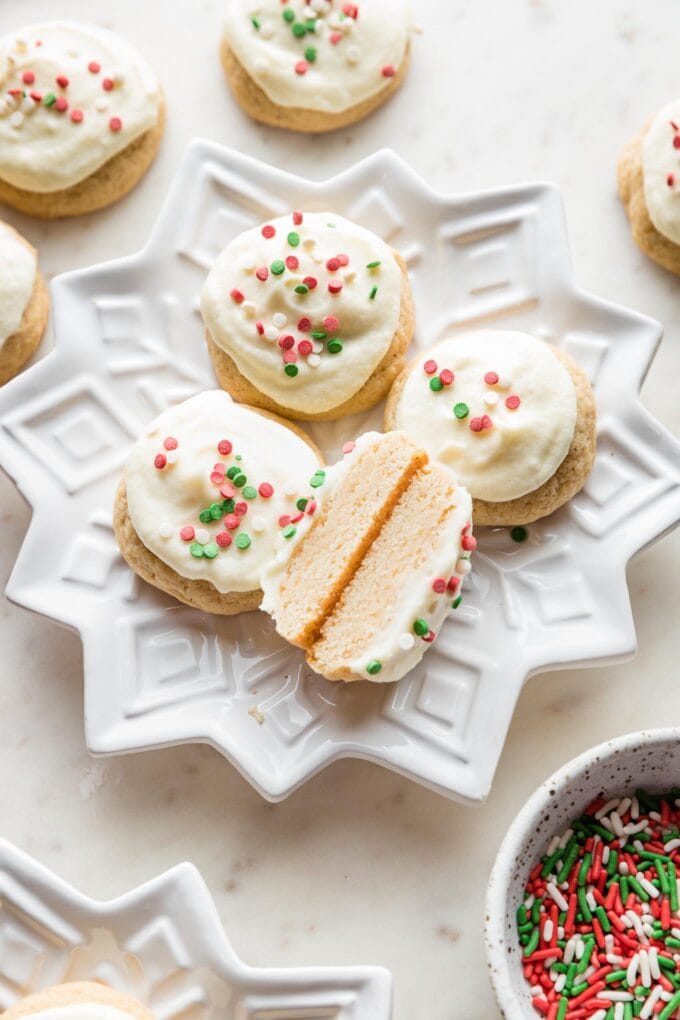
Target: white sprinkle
x=266 y=30
x=617 y=824
x=590 y=900
x=620 y=996
x=635 y=808
x=271 y=333
x=313 y=360
x=605 y=854
x=504 y=382
x=569 y=951
x=548 y=930
x=279 y=319
x=290 y=490
x=645 y=969
x=671 y=845
x=27 y=104
x=600 y=1014
x=353 y=55
x=624 y=806
x=606 y=808
x=554 y=843
x=202 y=536
x=561 y=982
x=171 y=456
x=557 y=896
x=406 y=642
x=580 y=948
x=101 y=105
x=650 y=1003
x=258 y=525
x=490 y=399
x=165 y=530
x=52 y=124
x=464 y=567
x=317 y=346
x=653 y=954
x=632 y=970
x=16 y=119
x=648 y=887
x=618 y=1011
x=249 y=308
x=248 y=264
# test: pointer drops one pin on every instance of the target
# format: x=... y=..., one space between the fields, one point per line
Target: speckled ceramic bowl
x=649 y=759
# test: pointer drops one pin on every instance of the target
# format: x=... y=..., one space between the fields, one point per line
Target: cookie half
x=81 y=118
x=317 y=66
x=197 y=511
x=24 y=302
x=511 y=418
x=78 y=1000
x=365 y=581
x=308 y=316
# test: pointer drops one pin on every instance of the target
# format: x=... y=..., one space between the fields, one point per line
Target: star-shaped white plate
x=164 y=944
x=129 y=341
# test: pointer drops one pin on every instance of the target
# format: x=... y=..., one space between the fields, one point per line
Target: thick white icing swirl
x=17 y=276
x=396 y=647
x=164 y=500
x=250 y=311
x=661 y=167
x=512 y=434
x=87 y=94
x=336 y=62
x=81 y=1011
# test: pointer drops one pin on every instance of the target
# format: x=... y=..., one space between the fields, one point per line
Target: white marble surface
x=361 y=866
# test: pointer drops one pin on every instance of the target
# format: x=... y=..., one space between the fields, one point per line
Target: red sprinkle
x=343 y=259
x=170 y=443
x=351 y=10
x=446 y=377
x=115 y=123
x=676 y=142
x=491 y=378
x=486 y=422
x=297 y=218
x=469 y=543
x=670 y=180
x=62 y=81
x=159 y=461
x=453 y=583
x=61 y=104
x=286 y=342
x=334 y=286
x=512 y=402
x=266 y=490
x=331 y=323
x=217 y=478
x=259 y=326
x=268 y=231
x=429 y=637
x=227 y=491
x=335 y=38
x=76 y=116
x=284 y=520
x=241 y=508
x=301 y=67
x=224 y=447
x=36 y=96
x=107 y=84
x=348 y=446
x=187 y=533
x=237 y=296
x=292 y=262
x=262 y=274
x=389 y=71
x=476 y=425
x=94 y=67
x=311 y=507
x=439 y=585
x=232 y=521
x=305 y=324
x=430 y=367
x=223 y=539
x=311 y=282
x=333 y=265
x=305 y=347
x=28 y=77
x=289 y=357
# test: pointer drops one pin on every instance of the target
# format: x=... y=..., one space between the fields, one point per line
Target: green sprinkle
x=519 y=534
x=318 y=335
x=216 y=511
x=277 y=267
x=256 y=23
x=460 y=410
x=670 y=1007
x=302 y=288
x=672 y=879
x=421 y=627
x=310 y=24
x=288 y=15
x=239 y=456
x=233 y=471
x=583 y=905
x=318 y=479
x=371 y=296
x=240 y=480
x=291 y=370
x=196 y=549
x=302 y=504
x=228 y=506
x=616 y=975
x=374 y=667
x=299 y=30
x=289 y=531
x=205 y=516
x=250 y=492
x=210 y=550
x=293 y=239
x=457 y=601
x=562 y=1011
x=243 y=541
x=533 y=941
x=373 y=265
x=310 y=54
x=50 y=99
x=436 y=384
x=334 y=346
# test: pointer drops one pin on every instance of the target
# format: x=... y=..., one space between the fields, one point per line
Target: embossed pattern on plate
x=164 y=944
x=129 y=342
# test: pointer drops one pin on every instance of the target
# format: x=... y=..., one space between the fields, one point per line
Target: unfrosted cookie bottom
x=374 y=389
x=105 y=186
x=632 y=191
x=18 y=348
x=260 y=107
x=77 y=993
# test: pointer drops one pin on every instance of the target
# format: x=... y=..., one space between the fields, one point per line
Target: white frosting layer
x=250 y=318
x=17 y=276
x=111 y=97
x=397 y=647
x=661 y=166
x=496 y=451
x=81 y=1011
x=163 y=501
x=336 y=63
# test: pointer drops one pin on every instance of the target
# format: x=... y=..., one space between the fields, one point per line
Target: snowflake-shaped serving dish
x=164 y=944
x=129 y=342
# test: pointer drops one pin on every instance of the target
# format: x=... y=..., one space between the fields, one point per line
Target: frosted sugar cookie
x=198 y=509
x=308 y=316
x=512 y=419
x=81 y=118
x=79 y=1000
x=24 y=303
x=365 y=580
x=649 y=185
x=314 y=65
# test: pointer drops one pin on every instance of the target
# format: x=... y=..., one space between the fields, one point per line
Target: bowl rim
x=497 y=959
